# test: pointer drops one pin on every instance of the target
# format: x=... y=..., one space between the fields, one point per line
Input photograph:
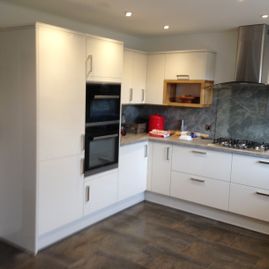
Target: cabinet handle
x=199 y=152
x=263 y=162
x=87 y=194
x=183 y=77
x=89 y=70
x=146 y=151
x=197 y=180
x=262 y=193
x=82 y=141
x=82 y=166
x=131 y=95
x=143 y=95
x=167 y=153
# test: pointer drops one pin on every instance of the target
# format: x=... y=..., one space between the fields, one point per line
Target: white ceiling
x=183 y=16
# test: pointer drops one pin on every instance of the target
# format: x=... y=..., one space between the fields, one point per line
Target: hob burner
x=241 y=144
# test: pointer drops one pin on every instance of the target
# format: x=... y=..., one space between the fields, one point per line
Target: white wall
x=224 y=43
x=14 y=15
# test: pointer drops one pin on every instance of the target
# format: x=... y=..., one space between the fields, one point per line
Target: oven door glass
x=101 y=150
x=102 y=102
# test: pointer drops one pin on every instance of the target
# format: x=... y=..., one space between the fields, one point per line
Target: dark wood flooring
x=150 y=236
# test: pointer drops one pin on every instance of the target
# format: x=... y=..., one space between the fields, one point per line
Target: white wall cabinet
x=134 y=77
x=155 y=78
x=197 y=65
x=132 y=169
x=161 y=168
x=104 y=60
x=100 y=191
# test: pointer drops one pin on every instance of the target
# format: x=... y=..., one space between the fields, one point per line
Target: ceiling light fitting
x=166 y=27
x=128 y=14
x=265 y=16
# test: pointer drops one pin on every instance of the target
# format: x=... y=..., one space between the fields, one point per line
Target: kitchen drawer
x=249 y=201
x=210 y=192
x=250 y=171
x=202 y=162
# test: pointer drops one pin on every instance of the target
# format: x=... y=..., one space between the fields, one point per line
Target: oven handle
x=106 y=97
x=105 y=136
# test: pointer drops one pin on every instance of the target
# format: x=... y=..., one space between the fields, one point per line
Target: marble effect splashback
x=239 y=111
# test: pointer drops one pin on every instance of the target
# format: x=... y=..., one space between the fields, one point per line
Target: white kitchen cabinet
x=132 y=169
x=101 y=191
x=249 y=201
x=255 y=171
x=202 y=162
x=48 y=117
x=196 y=65
x=134 y=77
x=201 y=190
x=161 y=155
x=60 y=191
x=155 y=78
x=61 y=92
x=104 y=59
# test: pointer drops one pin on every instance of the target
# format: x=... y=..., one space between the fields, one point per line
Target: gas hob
x=241 y=144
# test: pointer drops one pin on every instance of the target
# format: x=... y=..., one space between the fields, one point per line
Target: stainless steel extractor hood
x=252 y=61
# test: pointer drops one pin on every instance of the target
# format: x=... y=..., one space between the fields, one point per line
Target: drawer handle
x=146 y=151
x=263 y=162
x=199 y=152
x=197 y=180
x=262 y=193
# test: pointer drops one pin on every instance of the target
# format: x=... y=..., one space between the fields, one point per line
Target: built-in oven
x=102 y=127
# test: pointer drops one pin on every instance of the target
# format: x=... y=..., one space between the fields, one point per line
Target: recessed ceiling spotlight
x=166 y=27
x=265 y=16
x=128 y=14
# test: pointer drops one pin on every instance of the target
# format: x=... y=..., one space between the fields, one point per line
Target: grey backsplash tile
x=240 y=111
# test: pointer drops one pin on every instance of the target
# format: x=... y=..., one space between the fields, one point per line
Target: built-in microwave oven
x=102 y=127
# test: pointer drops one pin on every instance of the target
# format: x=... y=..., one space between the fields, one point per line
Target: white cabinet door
x=209 y=192
x=161 y=168
x=132 y=169
x=60 y=193
x=101 y=190
x=196 y=64
x=134 y=77
x=249 y=201
x=155 y=78
x=251 y=171
x=201 y=162
x=104 y=60
x=61 y=92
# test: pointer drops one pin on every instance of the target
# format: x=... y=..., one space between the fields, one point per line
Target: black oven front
x=101 y=148
x=102 y=127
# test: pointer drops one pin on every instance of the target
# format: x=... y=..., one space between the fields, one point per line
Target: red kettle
x=156 y=122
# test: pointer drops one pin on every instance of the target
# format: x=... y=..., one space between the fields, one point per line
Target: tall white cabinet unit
x=42 y=72
x=61 y=123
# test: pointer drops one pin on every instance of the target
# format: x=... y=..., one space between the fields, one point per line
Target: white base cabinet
x=201 y=190
x=132 y=169
x=101 y=191
x=60 y=191
x=161 y=155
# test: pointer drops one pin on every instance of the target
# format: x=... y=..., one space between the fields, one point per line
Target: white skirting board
x=63 y=232
x=211 y=213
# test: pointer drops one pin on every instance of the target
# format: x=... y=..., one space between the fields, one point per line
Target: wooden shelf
x=200 y=90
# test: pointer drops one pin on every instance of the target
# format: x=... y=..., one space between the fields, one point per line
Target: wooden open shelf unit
x=200 y=90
